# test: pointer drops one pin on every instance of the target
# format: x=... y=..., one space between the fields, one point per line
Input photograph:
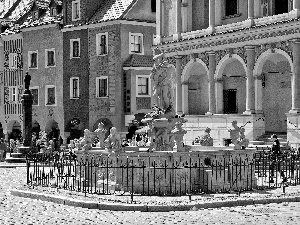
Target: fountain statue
x=206 y=139
x=113 y=140
x=100 y=132
x=237 y=136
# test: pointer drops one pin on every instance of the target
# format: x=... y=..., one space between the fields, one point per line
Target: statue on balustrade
x=113 y=140
x=237 y=136
x=206 y=139
x=100 y=131
x=86 y=142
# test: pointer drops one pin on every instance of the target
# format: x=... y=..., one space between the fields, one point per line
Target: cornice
x=108 y=23
x=257 y=36
x=26 y=29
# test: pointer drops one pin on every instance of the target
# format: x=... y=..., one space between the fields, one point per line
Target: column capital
x=211 y=53
x=295 y=40
x=178 y=56
x=250 y=47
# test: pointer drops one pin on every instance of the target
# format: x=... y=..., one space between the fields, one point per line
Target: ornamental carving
x=242 y=53
x=204 y=57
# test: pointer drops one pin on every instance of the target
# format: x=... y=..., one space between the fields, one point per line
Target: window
x=13 y=94
x=153 y=5
x=35 y=95
x=75 y=48
x=53 y=11
x=231 y=7
x=143 y=85
x=32 y=59
x=50 y=95
x=101 y=42
x=76 y=10
x=13 y=60
x=136 y=43
x=35 y=15
x=101 y=87
x=50 y=57
x=74 y=87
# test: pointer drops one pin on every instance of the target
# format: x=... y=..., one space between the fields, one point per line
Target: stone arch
x=224 y=61
x=14 y=129
x=195 y=87
x=273 y=93
x=258 y=67
x=188 y=67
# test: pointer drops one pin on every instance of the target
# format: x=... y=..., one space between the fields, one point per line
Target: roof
x=112 y=10
x=5 y=6
x=139 y=61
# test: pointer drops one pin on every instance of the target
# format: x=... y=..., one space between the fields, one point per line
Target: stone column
x=219 y=96
x=250 y=92
x=184 y=11
x=212 y=19
x=251 y=12
x=295 y=13
x=258 y=94
x=177 y=36
x=296 y=77
x=178 y=85
x=159 y=21
x=185 y=97
x=211 y=87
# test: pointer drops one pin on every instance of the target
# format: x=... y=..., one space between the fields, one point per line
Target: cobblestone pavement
x=16 y=210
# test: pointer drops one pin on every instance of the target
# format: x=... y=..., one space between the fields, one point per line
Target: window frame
x=72 y=87
x=232 y=15
x=47 y=59
x=141 y=45
x=11 y=94
x=38 y=91
x=98 y=43
x=30 y=57
x=149 y=86
x=72 y=48
x=35 y=15
x=46 y=95
x=13 y=60
x=97 y=86
x=73 y=10
x=53 y=9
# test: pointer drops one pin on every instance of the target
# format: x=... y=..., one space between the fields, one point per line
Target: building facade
x=233 y=60
x=85 y=58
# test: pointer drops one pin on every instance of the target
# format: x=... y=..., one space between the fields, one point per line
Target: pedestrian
x=275 y=159
x=3 y=149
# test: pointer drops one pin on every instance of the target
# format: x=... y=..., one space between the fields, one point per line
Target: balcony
x=11 y=109
x=257 y=22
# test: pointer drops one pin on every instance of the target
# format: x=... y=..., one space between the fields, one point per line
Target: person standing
x=275 y=159
x=3 y=149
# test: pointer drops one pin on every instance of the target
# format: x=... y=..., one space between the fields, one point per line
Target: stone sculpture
x=100 y=131
x=237 y=136
x=113 y=140
x=86 y=141
x=206 y=139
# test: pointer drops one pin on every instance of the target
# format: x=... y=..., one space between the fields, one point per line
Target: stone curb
x=148 y=208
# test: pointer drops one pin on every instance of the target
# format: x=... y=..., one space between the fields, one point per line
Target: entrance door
x=230 y=103
x=281 y=6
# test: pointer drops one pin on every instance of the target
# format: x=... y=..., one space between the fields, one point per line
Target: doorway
x=281 y=6
x=230 y=101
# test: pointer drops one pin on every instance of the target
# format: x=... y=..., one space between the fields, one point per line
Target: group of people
x=8 y=146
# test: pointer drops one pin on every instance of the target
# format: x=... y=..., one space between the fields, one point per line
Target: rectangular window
x=35 y=95
x=53 y=11
x=50 y=57
x=35 y=15
x=102 y=45
x=143 y=85
x=13 y=60
x=50 y=95
x=76 y=10
x=153 y=5
x=13 y=94
x=231 y=7
x=136 y=43
x=75 y=48
x=32 y=59
x=101 y=87
x=74 y=87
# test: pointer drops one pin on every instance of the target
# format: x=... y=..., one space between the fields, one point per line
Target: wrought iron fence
x=106 y=174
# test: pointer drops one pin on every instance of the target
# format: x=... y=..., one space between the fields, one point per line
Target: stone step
x=15 y=160
x=17 y=155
